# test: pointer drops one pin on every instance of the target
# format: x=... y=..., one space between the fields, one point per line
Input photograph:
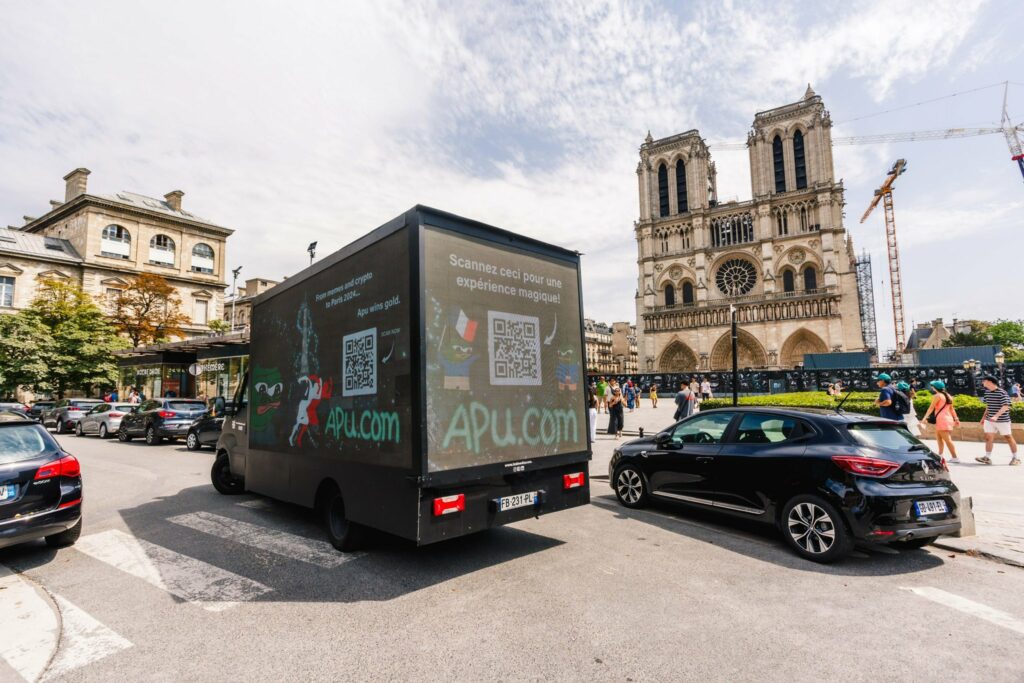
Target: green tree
x=81 y=353
x=978 y=336
x=219 y=326
x=25 y=343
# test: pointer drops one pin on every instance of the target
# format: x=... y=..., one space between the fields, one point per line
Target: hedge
x=968 y=408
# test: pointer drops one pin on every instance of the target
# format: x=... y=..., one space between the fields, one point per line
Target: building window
x=681 y=187
x=663 y=242
x=729 y=230
x=663 y=190
x=6 y=291
x=687 y=292
x=201 y=313
x=161 y=250
x=112 y=296
x=781 y=222
x=810 y=279
x=115 y=242
x=736 y=277
x=787 y=281
x=686 y=237
x=780 y=171
x=202 y=258
x=798 y=160
x=804 y=223
x=670 y=295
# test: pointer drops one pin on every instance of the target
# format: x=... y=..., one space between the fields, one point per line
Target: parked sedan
x=36 y=411
x=206 y=430
x=66 y=413
x=40 y=487
x=15 y=406
x=161 y=418
x=104 y=419
x=824 y=479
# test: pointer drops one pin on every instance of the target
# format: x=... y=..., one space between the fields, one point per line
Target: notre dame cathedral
x=783 y=259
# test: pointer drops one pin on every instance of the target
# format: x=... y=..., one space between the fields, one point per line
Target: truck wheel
x=223 y=480
x=66 y=537
x=344 y=535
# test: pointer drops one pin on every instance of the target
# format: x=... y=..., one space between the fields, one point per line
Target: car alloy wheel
x=78 y=430
x=630 y=488
x=192 y=442
x=811 y=528
x=152 y=439
x=60 y=427
x=122 y=435
x=103 y=431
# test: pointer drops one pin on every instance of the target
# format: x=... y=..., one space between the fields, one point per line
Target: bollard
x=641 y=432
x=966 y=518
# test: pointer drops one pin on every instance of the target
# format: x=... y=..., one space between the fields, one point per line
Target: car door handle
x=705 y=458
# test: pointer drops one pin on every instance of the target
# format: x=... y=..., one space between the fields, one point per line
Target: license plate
x=8 y=492
x=931 y=507
x=519 y=500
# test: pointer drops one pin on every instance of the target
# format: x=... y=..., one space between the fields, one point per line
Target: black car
x=40 y=487
x=36 y=411
x=825 y=479
x=160 y=418
x=205 y=430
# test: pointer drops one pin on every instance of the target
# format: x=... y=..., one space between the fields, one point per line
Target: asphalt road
x=173 y=581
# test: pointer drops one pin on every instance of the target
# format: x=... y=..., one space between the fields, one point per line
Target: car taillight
x=65 y=467
x=70 y=503
x=573 y=481
x=943 y=465
x=449 y=504
x=74 y=409
x=113 y=414
x=167 y=413
x=870 y=467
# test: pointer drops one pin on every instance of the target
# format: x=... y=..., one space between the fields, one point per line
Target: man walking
x=887 y=399
x=684 y=402
x=602 y=390
x=997 y=420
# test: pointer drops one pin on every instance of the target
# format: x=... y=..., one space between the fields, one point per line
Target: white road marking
x=192 y=580
x=28 y=626
x=975 y=609
x=83 y=640
x=257 y=504
x=292 y=546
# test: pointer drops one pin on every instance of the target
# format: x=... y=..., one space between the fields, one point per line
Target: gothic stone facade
x=783 y=259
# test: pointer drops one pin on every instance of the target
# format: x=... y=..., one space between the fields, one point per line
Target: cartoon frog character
x=457 y=355
x=267 y=392
x=568 y=371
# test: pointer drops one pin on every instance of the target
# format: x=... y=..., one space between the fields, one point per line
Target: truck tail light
x=167 y=413
x=573 y=481
x=448 y=504
x=65 y=467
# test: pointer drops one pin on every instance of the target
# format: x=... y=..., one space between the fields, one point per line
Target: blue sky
x=319 y=121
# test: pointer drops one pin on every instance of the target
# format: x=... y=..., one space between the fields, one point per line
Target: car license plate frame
x=8 y=492
x=518 y=500
x=925 y=508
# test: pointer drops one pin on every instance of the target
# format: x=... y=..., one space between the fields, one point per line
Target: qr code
x=359 y=363
x=514 y=346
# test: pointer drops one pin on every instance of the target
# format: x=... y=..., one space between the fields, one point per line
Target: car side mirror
x=663 y=438
x=220 y=407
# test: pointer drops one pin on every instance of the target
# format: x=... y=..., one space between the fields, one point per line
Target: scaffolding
x=866 y=297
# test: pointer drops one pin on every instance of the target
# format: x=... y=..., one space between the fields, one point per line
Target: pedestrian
x=592 y=413
x=1015 y=393
x=616 y=419
x=630 y=395
x=910 y=413
x=942 y=414
x=133 y=396
x=684 y=402
x=888 y=399
x=705 y=389
x=602 y=390
x=113 y=395
x=653 y=394
x=997 y=420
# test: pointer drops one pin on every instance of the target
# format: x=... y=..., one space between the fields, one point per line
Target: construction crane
x=884 y=193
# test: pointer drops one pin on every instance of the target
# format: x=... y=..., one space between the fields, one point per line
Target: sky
x=301 y=121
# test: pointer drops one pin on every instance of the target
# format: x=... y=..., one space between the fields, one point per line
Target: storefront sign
x=212 y=366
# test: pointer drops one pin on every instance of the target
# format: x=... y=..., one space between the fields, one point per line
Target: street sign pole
x=735 y=360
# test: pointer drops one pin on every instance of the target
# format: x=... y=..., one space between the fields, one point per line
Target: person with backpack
x=942 y=414
x=890 y=407
x=909 y=412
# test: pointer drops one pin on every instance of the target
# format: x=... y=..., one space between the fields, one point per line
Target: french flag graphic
x=465 y=327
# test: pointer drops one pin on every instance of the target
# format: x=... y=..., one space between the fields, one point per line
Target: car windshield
x=86 y=404
x=186 y=405
x=890 y=437
x=23 y=442
x=123 y=406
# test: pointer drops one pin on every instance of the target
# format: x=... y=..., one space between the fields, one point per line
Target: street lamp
x=971 y=365
x=234 y=295
x=312 y=252
x=735 y=360
x=1000 y=362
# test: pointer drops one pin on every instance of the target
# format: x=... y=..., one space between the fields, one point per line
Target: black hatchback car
x=160 y=418
x=40 y=487
x=825 y=479
x=205 y=431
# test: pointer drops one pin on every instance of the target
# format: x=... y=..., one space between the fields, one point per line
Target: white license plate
x=8 y=492
x=519 y=500
x=931 y=507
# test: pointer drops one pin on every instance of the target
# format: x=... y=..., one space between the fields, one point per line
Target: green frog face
x=267 y=391
x=566 y=354
x=457 y=352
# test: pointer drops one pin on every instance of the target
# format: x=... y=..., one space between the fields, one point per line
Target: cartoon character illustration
x=266 y=398
x=306 y=420
x=457 y=355
x=568 y=371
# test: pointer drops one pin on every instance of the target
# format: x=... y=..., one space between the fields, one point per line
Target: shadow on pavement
x=762 y=541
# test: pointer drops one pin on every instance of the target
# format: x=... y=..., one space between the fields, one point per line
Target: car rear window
x=890 y=437
x=123 y=406
x=85 y=404
x=186 y=405
x=23 y=442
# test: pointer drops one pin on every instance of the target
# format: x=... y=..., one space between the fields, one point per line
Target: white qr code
x=359 y=363
x=514 y=346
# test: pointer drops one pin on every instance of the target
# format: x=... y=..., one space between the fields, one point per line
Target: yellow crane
x=884 y=193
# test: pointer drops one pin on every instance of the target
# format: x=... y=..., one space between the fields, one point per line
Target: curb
x=976 y=551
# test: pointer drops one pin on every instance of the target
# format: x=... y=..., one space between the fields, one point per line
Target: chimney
x=75 y=183
x=173 y=199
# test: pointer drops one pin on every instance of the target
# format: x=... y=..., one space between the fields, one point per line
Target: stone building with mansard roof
x=101 y=241
x=783 y=258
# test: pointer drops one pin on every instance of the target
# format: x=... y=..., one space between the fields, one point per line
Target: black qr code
x=514 y=345
x=359 y=363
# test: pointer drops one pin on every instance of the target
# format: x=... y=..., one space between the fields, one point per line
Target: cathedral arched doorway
x=677 y=357
x=800 y=342
x=750 y=352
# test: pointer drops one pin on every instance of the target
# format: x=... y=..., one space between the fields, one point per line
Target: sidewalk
x=996 y=490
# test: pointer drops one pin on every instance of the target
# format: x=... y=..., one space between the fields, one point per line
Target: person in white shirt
x=705 y=389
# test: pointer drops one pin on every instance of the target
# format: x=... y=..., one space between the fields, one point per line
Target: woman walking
x=616 y=419
x=592 y=414
x=942 y=414
x=913 y=424
x=653 y=394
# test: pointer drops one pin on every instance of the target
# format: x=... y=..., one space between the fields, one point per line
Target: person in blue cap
x=942 y=414
x=909 y=412
x=887 y=399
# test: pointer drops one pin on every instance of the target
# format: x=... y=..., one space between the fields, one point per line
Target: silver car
x=104 y=419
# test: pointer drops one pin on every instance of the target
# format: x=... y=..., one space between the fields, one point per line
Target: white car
x=104 y=419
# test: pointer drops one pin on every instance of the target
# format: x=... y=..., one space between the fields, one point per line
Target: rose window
x=736 y=277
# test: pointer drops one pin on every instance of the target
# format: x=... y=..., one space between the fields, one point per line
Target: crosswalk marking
x=212 y=588
x=83 y=640
x=292 y=546
x=976 y=609
x=28 y=626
